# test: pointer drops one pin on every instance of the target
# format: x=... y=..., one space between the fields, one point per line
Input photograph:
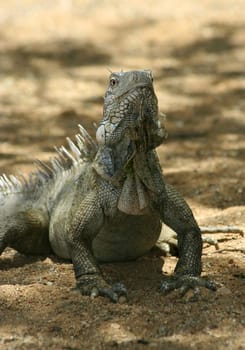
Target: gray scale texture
x=105 y=200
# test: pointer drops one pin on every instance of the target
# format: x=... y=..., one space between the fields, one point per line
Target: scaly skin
x=110 y=202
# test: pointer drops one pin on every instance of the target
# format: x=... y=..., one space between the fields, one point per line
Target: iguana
x=105 y=201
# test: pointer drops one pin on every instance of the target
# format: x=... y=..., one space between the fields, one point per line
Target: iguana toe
x=95 y=285
x=116 y=293
x=186 y=282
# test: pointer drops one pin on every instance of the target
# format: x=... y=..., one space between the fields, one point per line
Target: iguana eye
x=113 y=81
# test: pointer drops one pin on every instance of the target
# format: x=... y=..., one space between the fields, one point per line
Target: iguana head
x=131 y=112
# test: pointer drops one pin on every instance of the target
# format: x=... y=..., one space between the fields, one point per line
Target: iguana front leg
x=90 y=280
x=85 y=225
x=176 y=213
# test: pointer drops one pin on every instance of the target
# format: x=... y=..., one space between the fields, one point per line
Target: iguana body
x=106 y=201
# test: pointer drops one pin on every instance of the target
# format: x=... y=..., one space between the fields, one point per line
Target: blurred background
x=55 y=58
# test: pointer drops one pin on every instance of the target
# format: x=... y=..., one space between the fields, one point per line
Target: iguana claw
x=116 y=293
x=185 y=283
x=95 y=286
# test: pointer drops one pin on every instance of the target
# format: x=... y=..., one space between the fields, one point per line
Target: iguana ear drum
x=100 y=135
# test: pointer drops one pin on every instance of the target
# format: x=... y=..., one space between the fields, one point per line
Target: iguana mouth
x=135 y=113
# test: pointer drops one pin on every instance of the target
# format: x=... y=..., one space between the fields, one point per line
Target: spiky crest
x=83 y=150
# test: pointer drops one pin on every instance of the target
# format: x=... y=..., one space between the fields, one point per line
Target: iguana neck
x=138 y=178
x=142 y=180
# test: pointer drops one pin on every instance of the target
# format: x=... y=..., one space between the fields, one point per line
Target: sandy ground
x=54 y=61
